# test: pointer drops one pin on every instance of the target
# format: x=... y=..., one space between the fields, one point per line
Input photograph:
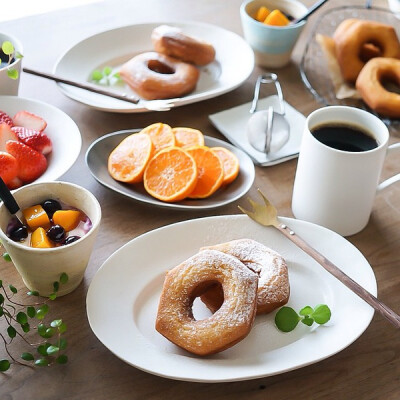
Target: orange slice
x=230 y=163
x=187 y=137
x=128 y=160
x=210 y=171
x=161 y=135
x=170 y=175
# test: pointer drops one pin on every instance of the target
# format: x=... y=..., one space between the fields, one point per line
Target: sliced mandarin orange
x=230 y=163
x=128 y=160
x=161 y=135
x=210 y=171
x=170 y=175
x=187 y=137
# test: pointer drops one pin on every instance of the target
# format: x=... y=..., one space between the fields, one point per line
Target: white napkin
x=232 y=124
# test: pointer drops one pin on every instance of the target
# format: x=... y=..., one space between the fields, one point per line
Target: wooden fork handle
x=389 y=314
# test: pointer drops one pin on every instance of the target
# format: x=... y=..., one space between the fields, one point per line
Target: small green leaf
x=107 y=70
x=62 y=343
x=56 y=323
x=1 y=299
x=286 y=319
x=22 y=318
x=33 y=293
x=64 y=278
x=13 y=74
x=321 y=314
x=4 y=365
x=42 y=311
x=41 y=329
x=41 y=362
x=49 y=333
x=63 y=359
x=56 y=286
x=307 y=310
x=1 y=283
x=11 y=332
x=62 y=328
x=7 y=47
x=18 y=55
x=13 y=288
x=27 y=356
x=53 y=296
x=117 y=75
x=6 y=257
x=30 y=311
x=1 y=311
x=52 y=350
x=307 y=321
x=97 y=75
x=42 y=349
x=26 y=327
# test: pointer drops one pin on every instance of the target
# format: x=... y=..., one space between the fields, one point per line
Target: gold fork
x=266 y=215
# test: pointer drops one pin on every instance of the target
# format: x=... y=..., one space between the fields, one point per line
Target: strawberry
x=8 y=167
x=4 y=117
x=31 y=163
x=39 y=141
x=6 y=134
x=15 y=183
x=29 y=120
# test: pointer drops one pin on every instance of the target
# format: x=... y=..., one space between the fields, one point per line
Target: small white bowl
x=40 y=268
x=10 y=86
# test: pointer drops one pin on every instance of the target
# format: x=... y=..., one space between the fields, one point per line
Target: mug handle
x=395 y=178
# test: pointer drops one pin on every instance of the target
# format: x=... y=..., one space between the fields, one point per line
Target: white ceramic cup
x=336 y=188
x=272 y=45
x=39 y=268
x=10 y=86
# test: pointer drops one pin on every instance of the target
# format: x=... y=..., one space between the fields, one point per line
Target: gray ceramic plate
x=97 y=156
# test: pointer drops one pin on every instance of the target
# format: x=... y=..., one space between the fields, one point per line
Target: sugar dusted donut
x=273 y=281
x=230 y=324
x=173 y=42
x=156 y=76
x=352 y=35
x=370 y=86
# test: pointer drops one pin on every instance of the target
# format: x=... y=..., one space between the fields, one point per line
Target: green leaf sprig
x=106 y=76
x=10 y=53
x=24 y=318
x=286 y=319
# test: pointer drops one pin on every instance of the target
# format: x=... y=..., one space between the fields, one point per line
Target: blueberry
x=51 y=206
x=56 y=233
x=19 y=234
x=71 y=239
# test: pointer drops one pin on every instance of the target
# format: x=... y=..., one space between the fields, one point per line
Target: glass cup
x=39 y=268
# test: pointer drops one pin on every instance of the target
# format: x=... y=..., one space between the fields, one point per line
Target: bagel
x=171 y=41
x=351 y=38
x=273 y=281
x=370 y=84
x=156 y=76
x=227 y=326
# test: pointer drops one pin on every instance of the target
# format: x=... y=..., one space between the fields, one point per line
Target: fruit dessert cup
x=40 y=266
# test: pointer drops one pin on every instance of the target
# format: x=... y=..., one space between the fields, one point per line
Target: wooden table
x=367 y=369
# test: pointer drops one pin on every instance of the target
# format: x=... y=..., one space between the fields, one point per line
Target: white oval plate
x=233 y=64
x=61 y=129
x=97 y=158
x=125 y=292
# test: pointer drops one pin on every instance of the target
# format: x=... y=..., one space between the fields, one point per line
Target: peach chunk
x=68 y=219
x=36 y=217
x=40 y=240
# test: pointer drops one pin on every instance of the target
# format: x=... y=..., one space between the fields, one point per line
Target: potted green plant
x=10 y=64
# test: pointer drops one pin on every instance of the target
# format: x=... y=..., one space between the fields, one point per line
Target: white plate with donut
x=127 y=289
x=97 y=157
x=233 y=64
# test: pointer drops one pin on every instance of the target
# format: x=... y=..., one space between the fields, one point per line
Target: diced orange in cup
x=170 y=175
x=128 y=160
x=36 y=217
x=187 y=137
x=40 y=240
x=210 y=172
x=68 y=219
x=262 y=13
x=161 y=135
x=230 y=163
x=276 y=18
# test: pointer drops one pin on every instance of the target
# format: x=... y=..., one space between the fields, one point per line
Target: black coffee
x=344 y=137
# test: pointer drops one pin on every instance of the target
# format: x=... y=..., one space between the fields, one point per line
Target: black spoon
x=311 y=10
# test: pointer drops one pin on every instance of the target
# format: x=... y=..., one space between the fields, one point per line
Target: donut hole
x=391 y=83
x=370 y=50
x=199 y=309
x=160 y=67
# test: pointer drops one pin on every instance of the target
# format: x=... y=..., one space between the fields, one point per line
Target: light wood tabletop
x=367 y=369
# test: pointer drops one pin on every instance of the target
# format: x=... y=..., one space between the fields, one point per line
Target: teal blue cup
x=272 y=45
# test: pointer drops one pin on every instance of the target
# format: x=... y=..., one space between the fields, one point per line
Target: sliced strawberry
x=8 y=167
x=31 y=163
x=4 y=117
x=6 y=134
x=39 y=141
x=29 y=120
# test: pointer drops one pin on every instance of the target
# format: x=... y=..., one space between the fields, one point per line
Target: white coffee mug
x=336 y=188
